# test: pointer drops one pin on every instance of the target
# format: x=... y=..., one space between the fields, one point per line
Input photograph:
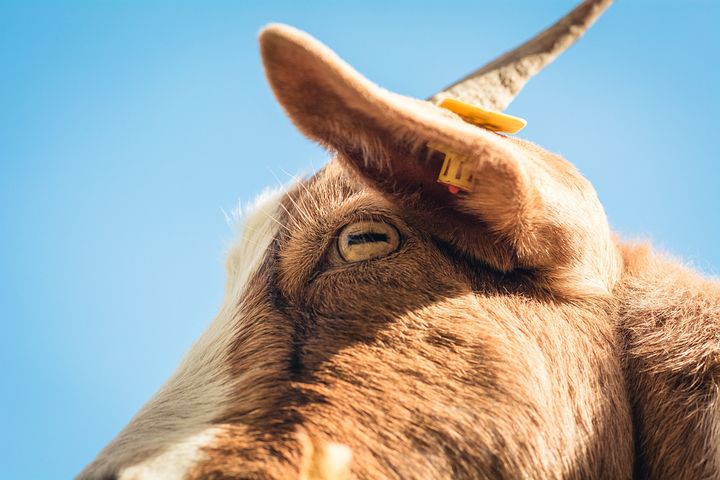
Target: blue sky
x=126 y=127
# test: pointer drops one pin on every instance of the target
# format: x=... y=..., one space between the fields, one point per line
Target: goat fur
x=510 y=335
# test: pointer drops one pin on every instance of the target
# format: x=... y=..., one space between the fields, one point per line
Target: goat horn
x=496 y=84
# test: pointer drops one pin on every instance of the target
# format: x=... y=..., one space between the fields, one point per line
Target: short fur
x=510 y=335
x=671 y=326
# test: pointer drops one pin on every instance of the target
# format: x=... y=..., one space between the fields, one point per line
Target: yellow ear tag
x=455 y=172
x=495 y=121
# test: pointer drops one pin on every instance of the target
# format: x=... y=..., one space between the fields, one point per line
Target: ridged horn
x=496 y=84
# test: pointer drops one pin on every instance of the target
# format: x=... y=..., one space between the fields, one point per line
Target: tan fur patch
x=671 y=322
x=456 y=370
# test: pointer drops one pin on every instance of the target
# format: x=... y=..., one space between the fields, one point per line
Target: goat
x=378 y=324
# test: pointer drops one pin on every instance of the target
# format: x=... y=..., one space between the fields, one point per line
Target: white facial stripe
x=258 y=225
x=164 y=438
x=173 y=462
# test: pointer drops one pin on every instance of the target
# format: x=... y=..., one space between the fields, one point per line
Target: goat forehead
x=178 y=421
x=327 y=196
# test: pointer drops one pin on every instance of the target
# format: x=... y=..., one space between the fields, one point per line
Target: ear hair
x=529 y=209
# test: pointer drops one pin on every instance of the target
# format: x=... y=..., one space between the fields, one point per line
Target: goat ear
x=384 y=137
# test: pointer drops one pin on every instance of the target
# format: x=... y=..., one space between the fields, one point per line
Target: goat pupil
x=368 y=237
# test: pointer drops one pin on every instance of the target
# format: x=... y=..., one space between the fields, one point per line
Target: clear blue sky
x=125 y=128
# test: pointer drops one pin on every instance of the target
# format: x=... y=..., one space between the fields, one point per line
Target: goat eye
x=367 y=240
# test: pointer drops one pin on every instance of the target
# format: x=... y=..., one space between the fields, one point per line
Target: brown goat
x=378 y=325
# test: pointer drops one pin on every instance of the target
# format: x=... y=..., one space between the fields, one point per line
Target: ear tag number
x=495 y=121
x=456 y=172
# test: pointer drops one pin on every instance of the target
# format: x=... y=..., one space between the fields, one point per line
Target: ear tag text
x=495 y=121
x=456 y=172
